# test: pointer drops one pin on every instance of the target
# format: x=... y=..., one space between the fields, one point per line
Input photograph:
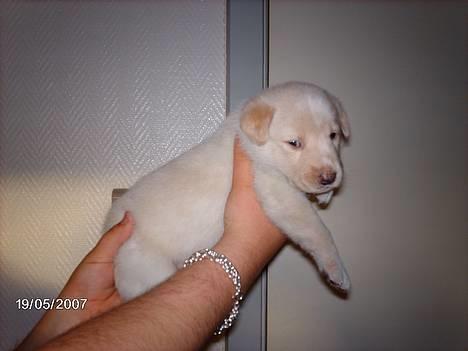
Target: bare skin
x=179 y=314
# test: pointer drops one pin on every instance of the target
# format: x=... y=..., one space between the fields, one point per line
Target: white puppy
x=292 y=134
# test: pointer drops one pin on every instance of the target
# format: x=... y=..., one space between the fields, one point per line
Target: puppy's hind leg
x=293 y=213
x=137 y=272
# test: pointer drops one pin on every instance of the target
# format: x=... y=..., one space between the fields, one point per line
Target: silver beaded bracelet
x=229 y=268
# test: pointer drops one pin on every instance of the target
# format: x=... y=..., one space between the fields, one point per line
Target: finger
x=242 y=168
x=113 y=239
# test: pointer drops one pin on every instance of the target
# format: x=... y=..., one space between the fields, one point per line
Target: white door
x=93 y=95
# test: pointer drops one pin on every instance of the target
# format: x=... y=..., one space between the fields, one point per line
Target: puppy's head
x=297 y=129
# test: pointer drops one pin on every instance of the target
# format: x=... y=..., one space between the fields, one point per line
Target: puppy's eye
x=295 y=143
x=332 y=135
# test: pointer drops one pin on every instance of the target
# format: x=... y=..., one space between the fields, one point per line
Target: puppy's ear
x=342 y=116
x=255 y=121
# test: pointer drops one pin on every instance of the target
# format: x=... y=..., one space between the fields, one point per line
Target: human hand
x=93 y=280
x=249 y=238
x=243 y=212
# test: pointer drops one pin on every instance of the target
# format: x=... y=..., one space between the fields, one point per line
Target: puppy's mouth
x=322 y=195
x=322 y=190
x=316 y=190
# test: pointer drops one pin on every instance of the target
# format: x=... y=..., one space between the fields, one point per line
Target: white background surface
x=94 y=94
x=400 y=222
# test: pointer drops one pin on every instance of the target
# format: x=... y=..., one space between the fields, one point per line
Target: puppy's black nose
x=327 y=178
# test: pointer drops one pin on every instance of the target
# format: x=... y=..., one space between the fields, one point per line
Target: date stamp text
x=51 y=304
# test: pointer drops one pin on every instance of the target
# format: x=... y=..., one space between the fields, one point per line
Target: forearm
x=173 y=316
x=180 y=314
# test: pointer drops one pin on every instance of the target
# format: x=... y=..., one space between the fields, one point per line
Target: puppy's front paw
x=337 y=275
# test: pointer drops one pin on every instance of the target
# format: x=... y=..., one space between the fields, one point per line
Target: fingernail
x=125 y=219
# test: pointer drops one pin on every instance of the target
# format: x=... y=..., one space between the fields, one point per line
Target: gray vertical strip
x=266 y=83
x=266 y=43
x=245 y=50
x=266 y=78
x=247 y=74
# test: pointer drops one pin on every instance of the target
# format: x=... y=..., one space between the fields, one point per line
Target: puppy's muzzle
x=327 y=177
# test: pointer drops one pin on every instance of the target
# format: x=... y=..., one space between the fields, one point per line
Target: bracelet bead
x=233 y=274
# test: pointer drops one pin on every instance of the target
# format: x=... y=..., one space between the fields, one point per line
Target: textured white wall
x=400 y=221
x=94 y=94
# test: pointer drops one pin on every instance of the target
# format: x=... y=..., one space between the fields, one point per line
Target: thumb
x=113 y=239
x=242 y=168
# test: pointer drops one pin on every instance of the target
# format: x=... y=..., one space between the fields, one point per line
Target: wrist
x=250 y=253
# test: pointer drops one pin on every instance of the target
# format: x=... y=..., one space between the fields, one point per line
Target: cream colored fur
x=178 y=208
